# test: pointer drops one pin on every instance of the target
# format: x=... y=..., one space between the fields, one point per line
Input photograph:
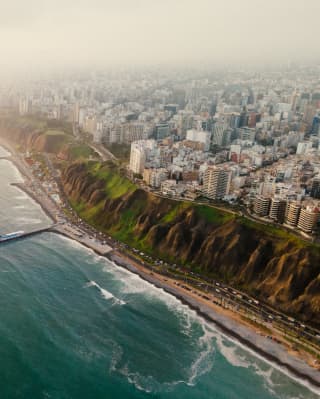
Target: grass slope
x=81 y=151
x=117 y=185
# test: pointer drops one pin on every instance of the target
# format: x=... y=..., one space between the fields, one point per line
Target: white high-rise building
x=261 y=205
x=82 y=116
x=293 y=213
x=216 y=182
x=308 y=219
x=304 y=147
x=76 y=112
x=117 y=132
x=137 y=157
x=217 y=135
x=25 y=106
x=277 y=209
x=200 y=136
x=141 y=151
x=136 y=131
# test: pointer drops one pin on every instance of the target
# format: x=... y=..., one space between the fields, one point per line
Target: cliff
x=34 y=135
x=270 y=263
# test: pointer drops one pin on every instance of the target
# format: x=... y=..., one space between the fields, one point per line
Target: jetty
x=69 y=231
x=27 y=234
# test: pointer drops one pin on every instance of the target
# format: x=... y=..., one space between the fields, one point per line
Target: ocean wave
x=202 y=364
x=271 y=373
x=148 y=383
x=105 y=293
x=229 y=352
x=89 y=253
x=116 y=357
x=134 y=284
x=267 y=378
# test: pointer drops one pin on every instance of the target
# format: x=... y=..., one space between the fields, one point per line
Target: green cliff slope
x=270 y=263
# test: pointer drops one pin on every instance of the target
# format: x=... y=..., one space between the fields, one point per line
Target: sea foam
x=105 y=293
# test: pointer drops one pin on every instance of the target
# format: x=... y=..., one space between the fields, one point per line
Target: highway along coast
x=231 y=309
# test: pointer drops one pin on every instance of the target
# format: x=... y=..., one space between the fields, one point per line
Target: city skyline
x=160 y=199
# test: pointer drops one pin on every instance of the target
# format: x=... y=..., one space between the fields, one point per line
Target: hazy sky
x=58 y=33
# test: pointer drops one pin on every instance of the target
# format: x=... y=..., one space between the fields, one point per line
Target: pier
x=27 y=234
x=68 y=231
x=60 y=225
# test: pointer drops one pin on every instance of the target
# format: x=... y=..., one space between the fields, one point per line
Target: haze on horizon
x=42 y=34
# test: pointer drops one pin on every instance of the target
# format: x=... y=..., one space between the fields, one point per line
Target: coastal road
x=104 y=153
x=224 y=295
x=240 y=302
x=179 y=199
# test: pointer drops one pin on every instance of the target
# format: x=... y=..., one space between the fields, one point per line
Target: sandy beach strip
x=267 y=349
x=273 y=352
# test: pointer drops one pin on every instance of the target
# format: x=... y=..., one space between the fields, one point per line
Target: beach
x=271 y=351
x=228 y=322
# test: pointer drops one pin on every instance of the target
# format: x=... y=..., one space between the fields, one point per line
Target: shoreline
x=230 y=328
x=23 y=188
x=275 y=353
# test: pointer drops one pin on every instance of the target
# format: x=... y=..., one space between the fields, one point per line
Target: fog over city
x=41 y=34
x=159 y=199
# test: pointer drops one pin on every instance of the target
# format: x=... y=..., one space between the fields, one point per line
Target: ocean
x=73 y=325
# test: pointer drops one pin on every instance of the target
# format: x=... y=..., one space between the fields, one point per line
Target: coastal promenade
x=76 y=234
x=61 y=226
x=34 y=190
x=246 y=335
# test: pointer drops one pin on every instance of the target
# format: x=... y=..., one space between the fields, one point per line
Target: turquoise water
x=74 y=325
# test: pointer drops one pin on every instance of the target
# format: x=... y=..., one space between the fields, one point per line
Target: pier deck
x=67 y=231
x=28 y=234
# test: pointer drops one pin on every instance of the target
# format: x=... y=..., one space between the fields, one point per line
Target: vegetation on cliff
x=268 y=262
x=35 y=134
x=38 y=135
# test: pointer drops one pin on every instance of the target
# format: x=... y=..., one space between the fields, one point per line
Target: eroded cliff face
x=23 y=137
x=283 y=273
x=31 y=139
